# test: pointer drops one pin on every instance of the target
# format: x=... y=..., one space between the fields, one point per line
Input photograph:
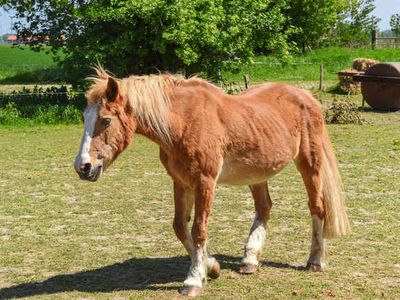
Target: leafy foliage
x=313 y=19
x=146 y=36
x=45 y=106
x=143 y=36
x=354 y=26
x=395 y=23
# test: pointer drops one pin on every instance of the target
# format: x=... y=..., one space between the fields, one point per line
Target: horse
x=207 y=137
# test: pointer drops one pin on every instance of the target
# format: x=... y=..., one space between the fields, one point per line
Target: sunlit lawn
x=65 y=238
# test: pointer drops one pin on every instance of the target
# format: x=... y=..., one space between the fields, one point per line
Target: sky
x=384 y=10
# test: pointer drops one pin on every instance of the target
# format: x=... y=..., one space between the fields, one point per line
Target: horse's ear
x=112 y=89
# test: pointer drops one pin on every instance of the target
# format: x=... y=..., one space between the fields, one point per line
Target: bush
x=55 y=114
x=9 y=114
x=52 y=105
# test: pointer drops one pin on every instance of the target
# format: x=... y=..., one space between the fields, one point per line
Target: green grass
x=306 y=67
x=64 y=238
x=26 y=66
x=22 y=65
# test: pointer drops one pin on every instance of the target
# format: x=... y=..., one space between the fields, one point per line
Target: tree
x=354 y=27
x=395 y=24
x=144 y=36
x=313 y=19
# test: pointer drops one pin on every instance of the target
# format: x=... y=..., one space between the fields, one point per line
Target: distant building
x=11 y=39
x=14 y=39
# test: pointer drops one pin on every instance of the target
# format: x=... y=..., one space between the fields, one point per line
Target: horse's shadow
x=132 y=274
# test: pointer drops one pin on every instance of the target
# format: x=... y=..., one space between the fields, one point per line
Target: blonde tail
x=336 y=222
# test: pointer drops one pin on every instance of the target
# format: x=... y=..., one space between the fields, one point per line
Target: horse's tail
x=336 y=221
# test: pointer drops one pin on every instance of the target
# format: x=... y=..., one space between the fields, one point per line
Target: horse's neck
x=147 y=132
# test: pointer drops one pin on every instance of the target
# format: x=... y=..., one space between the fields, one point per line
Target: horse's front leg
x=196 y=244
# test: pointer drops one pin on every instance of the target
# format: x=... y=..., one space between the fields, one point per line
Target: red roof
x=11 y=37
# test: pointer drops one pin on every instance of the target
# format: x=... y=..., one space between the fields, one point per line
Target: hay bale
x=362 y=64
x=346 y=83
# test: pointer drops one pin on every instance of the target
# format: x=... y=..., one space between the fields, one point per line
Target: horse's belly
x=244 y=173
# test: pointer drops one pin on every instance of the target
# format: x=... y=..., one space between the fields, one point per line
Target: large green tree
x=313 y=19
x=395 y=24
x=144 y=36
x=354 y=27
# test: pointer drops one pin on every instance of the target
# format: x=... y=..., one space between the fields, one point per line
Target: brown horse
x=208 y=137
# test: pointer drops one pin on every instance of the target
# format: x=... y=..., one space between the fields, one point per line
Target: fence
x=383 y=42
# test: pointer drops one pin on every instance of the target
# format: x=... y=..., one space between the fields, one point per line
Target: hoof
x=315 y=267
x=191 y=291
x=214 y=271
x=248 y=269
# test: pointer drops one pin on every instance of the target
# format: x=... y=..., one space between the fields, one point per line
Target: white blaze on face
x=90 y=115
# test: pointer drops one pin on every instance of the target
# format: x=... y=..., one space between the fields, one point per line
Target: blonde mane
x=148 y=96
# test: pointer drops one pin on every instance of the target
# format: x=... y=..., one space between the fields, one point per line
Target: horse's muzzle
x=88 y=172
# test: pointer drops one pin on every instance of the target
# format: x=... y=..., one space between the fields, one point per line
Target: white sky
x=384 y=10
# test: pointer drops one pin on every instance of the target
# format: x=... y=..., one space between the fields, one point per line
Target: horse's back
x=278 y=93
x=251 y=136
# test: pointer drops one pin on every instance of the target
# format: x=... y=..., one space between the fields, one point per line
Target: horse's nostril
x=86 y=168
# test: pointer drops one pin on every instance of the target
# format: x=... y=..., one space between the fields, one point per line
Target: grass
x=22 y=65
x=64 y=238
x=40 y=67
x=306 y=67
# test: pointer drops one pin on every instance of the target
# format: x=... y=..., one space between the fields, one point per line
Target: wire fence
x=40 y=96
x=17 y=94
x=21 y=67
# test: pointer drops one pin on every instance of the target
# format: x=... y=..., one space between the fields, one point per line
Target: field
x=25 y=66
x=307 y=67
x=62 y=238
x=65 y=238
x=22 y=65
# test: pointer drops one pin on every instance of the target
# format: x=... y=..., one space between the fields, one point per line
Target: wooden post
x=321 y=76
x=373 y=34
x=246 y=81
x=373 y=38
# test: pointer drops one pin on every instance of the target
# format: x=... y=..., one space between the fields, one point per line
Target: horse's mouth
x=93 y=175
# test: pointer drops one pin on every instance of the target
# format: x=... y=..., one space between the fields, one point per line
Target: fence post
x=373 y=38
x=246 y=81
x=219 y=78
x=321 y=76
x=373 y=34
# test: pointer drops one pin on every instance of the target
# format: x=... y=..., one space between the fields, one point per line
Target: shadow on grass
x=37 y=76
x=132 y=274
x=369 y=109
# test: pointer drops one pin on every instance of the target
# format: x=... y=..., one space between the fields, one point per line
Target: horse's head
x=109 y=125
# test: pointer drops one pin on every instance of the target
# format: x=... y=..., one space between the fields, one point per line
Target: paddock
x=61 y=237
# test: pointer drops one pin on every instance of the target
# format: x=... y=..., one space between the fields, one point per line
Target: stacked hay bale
x=363 y=64
x=346 y=83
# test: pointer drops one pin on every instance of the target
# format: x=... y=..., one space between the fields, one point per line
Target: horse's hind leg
x=184 y=199
x=255 y=242
x=310 y=171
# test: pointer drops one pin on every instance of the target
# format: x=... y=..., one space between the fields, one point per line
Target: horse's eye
x=106 y=122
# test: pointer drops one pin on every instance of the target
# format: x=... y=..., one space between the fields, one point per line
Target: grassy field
x=64 y=238
x=25 y=66
x=22 y=65
x=306 y=67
